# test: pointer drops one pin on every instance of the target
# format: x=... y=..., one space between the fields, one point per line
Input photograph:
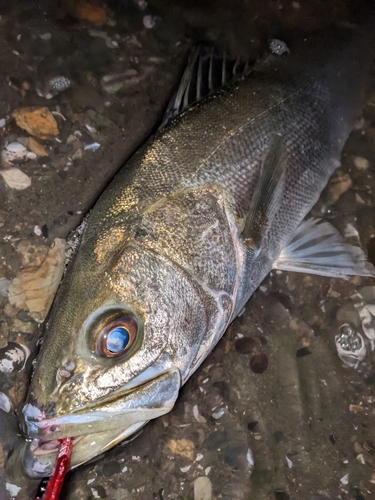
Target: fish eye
x=117 y=337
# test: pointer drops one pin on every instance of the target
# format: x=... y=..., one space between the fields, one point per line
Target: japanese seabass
x=183 y=236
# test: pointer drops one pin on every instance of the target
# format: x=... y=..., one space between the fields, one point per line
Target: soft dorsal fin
x=206 y=72
x=268 y=192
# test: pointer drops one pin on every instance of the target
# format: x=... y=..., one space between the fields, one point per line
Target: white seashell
x=148 y=22
x=13 y=152
x=13 y=357
x=278 y=47
x=13 y=489
x=351 y=346
x=92 y=147
x=5 y=404
x=15 y=179
x=31 y=156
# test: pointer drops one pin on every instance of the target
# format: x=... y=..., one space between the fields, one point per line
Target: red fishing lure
x=55 y=483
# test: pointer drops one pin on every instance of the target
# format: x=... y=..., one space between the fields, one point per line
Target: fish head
x=121 y=339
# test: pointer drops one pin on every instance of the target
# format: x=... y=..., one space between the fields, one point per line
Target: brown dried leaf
x=36 y=148
x=34 y=287
x=37 y=121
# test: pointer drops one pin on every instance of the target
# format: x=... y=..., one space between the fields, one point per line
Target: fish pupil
x=118 y=339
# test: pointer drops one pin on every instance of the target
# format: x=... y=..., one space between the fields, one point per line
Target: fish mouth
x=96 y=429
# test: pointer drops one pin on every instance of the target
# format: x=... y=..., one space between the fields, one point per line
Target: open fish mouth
x=39 y=456
x=42 y=447
x=97 y=429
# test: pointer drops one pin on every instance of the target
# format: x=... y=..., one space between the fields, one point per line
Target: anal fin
x=268 y=192
x=317 y=247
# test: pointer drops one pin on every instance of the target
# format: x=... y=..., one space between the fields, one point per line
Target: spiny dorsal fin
x=268 y=192
x=206 y=72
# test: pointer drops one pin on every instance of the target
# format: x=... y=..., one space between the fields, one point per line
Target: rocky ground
x=273 y=413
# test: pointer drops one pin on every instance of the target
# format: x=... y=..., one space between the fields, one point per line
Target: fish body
x=179 y=241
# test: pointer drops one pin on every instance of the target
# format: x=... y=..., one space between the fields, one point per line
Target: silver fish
x=185 y=234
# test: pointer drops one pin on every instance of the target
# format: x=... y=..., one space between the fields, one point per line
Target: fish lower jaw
x=45 y=447
x=39 y=456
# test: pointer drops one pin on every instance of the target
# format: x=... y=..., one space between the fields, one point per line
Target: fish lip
x=39 y=428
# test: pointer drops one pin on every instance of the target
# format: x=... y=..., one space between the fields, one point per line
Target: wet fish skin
x=164 y=243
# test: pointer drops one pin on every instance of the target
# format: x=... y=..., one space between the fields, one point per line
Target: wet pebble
x=182 y=447
x=361 y=163
x=36 y=147
x=4 y=285
x=202 y=488
x=37 y=121
x=14 y=178
x=339 y=185
x=259 y=363
x=244 y=345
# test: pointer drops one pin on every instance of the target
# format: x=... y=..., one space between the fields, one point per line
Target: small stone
x=77 y=155
x=338 y=186
x=23 y=326
x=88 y=12
x=361 y=163
x=202 y=488
x=259 y=363
x=182 y=447
x=4 y=334
x=37 y=121
x=15 y=179
x=355 y=408
x=4 y=286
x=302 y=352
x=244 y=345
x=36 y=148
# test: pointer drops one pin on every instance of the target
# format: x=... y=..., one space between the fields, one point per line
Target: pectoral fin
x=317 y=247
x=268 y=192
